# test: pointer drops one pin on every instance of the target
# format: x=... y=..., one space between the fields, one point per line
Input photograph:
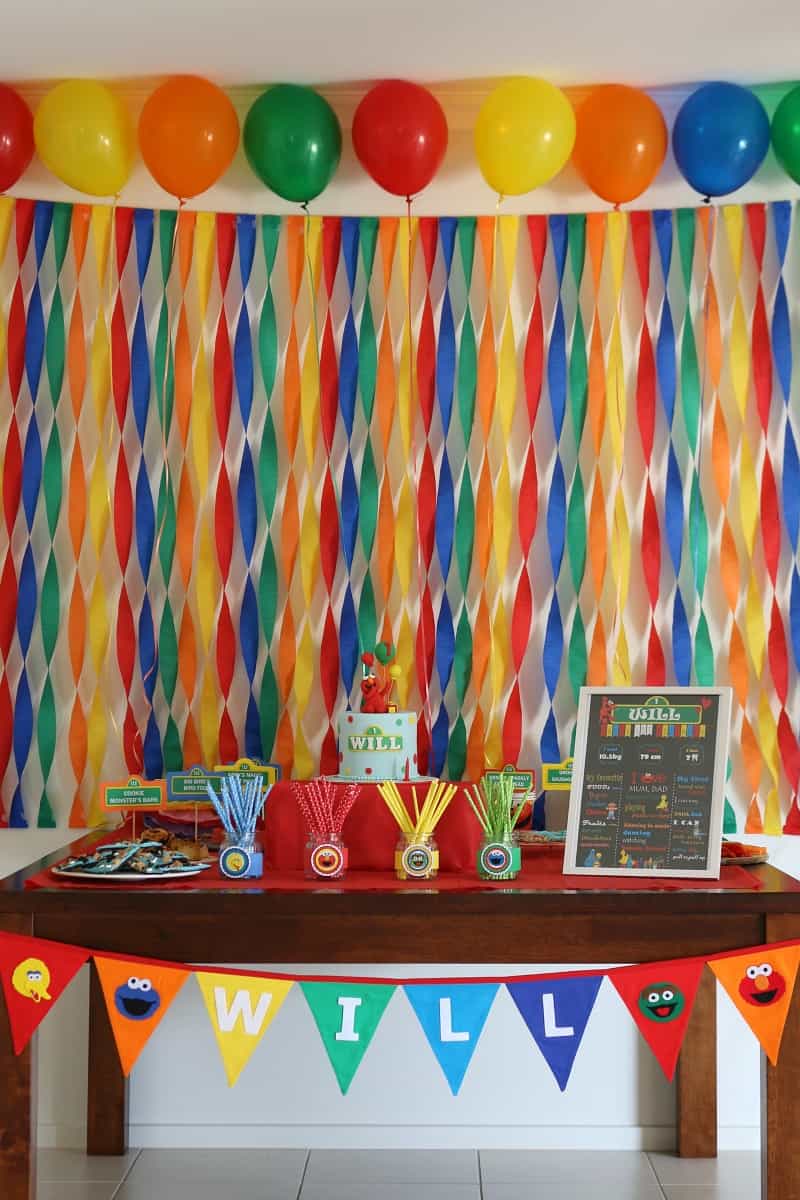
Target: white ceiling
x=331 y=41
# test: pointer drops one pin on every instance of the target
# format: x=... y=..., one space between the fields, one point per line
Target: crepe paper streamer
x=241 y=1010
x=268 y=479
x=348 y=500
x=577 y=659
x=616 y=398
x=52 y=489
x=329 y=504
x=347 y=1016
x=444 y=519
x=138 y=996
x=452 y=1017
x=655 y=668
x=223 y=500
x=749 y=979
x=556 y=517
x=368 y=486
x=754 y=822
x=556 y=1012
x=464 y=541
x=76 y=517
x=246 y=496
x=596 y=411
x=142 y=384
x=31 y=482
x=660 y=998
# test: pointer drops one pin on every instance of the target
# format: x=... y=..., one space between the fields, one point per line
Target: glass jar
x=241 y=858
x=499 y=859
x=416 y=857
x=325 y=856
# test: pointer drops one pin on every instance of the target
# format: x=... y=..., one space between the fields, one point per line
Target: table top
x=779 y=893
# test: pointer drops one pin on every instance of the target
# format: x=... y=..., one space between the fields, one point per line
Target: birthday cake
x=378 y=745
x=378 y=742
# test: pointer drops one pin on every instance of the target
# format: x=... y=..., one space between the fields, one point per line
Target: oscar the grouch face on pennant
x=661 y=1002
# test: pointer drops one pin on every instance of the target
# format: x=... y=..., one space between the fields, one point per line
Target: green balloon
x=293 y=141
x=786 y=133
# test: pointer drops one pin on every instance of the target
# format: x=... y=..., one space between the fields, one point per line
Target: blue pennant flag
x=557 y=1011
x=452 y=1016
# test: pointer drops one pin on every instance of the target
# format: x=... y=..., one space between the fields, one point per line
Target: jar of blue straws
x=238 y=807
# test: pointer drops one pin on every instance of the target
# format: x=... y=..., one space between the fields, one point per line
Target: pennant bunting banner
x=452 y=1014
x=556 y=1011
x=347 y=1016
x=660 y=997
x=241 y=1010
x=137 y=997
x=452 y=1018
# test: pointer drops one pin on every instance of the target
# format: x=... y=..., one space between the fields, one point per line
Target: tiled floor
x=395 y=1175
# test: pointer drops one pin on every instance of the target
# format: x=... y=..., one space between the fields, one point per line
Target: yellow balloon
x=86 y=137
x=524 y=135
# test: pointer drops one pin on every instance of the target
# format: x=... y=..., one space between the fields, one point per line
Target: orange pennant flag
x=760 y=984
x=137 y=995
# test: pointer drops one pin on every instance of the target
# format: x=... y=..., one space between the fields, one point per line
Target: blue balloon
x=720 y=137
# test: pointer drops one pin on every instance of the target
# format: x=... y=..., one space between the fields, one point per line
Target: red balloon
x=400 y=136
x=16 y=136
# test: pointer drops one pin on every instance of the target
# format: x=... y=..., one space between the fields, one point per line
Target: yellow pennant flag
x=241 y=1009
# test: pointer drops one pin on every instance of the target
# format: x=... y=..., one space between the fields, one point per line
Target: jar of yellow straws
x=416 y=855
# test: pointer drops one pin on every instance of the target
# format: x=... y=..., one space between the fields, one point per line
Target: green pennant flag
x=347 y=1015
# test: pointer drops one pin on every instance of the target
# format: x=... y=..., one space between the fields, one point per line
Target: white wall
x=288 y=1096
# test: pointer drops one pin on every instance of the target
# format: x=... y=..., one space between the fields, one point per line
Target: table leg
x=107 y=1109
x=780 y=1112
x=697 y=1076
x=17 y=1099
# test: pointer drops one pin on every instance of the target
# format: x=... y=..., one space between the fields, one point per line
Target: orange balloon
x=621 y=142
x=188 y=134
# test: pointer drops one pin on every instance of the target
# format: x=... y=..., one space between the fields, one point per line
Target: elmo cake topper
x=376 y=691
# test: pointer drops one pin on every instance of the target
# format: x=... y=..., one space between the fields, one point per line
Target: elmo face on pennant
x=762 y=985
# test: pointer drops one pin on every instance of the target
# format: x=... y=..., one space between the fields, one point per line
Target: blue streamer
x=243 y=364
x=349 y=513
x=553 y=648
x=31 y=470
x=348 y=640
x=249 y=629
x=445 y=643
x=557 y=518
x=445 y=515
x=439 y=740
x=247 y=503
x=681 y=642
x=246 y=243
x=145 y=521
x=143 y=228
x=673 y=510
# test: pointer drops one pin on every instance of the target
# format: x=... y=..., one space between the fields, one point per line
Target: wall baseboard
x=383 y=1137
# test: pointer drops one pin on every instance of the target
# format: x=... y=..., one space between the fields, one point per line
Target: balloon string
x=426 y=698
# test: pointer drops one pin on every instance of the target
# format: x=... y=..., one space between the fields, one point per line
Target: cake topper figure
x=376 y=691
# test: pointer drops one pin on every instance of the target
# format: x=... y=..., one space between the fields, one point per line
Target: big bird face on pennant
x=762 y=985
x=31 y=979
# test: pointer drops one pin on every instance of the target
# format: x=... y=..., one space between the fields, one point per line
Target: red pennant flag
x=659 y=997
x=34 y=974
x=137 y=995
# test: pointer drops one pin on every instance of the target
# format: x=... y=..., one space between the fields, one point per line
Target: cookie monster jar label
x=499 y=860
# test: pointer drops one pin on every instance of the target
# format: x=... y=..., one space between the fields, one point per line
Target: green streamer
x=462 y=662
x=268 y=591
x=368 y=496
x=269 y=707
x=465 y=529
x=577 y=659
x=576 y=531
x=457 y=750
x=367 y=615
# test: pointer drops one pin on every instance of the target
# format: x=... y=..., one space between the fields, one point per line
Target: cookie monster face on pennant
x=661 y=1002
x=762 y=985
x=137 y=999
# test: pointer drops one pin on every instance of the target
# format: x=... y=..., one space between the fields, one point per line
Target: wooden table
x=385 y=927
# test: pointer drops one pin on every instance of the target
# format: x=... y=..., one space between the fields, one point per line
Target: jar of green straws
x=499 y=855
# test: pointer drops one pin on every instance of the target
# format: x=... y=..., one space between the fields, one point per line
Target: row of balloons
x=525 y=133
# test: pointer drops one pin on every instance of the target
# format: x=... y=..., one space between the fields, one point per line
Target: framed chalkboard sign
x=648 y=782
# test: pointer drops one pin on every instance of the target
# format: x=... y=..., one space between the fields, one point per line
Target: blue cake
x=376 y=746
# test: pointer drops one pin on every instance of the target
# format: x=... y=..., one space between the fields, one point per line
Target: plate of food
x=541 y=837
x=130 y=862
x=742 y=855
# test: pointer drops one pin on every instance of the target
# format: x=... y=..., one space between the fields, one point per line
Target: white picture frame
x=719 y=771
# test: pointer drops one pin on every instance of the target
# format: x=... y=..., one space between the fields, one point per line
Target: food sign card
x=648 y=782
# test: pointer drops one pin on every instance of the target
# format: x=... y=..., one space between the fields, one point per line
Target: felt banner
x=761 y=984
x=137 y=997
x=452 y=1017
x=347 y=1015
x=660 y=997
x=557 y=1011
x=34 y=974
x=241 y=1010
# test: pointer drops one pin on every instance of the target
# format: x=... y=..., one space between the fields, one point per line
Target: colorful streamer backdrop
x=228 y=469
